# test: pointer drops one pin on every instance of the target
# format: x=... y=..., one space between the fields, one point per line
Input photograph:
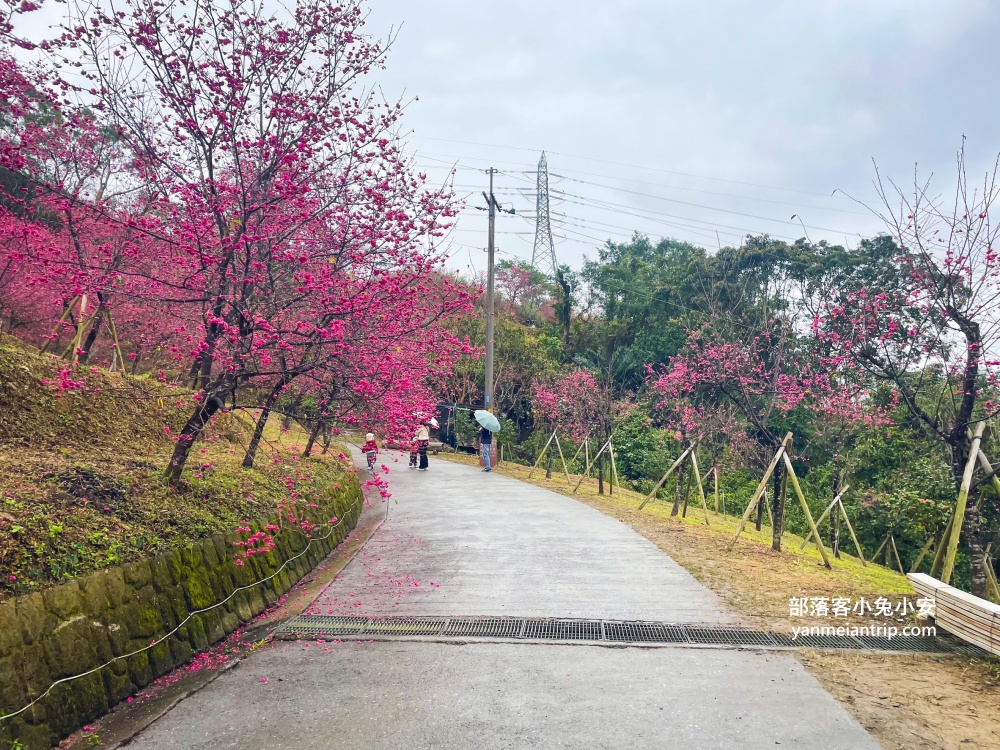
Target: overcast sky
x=702 y=120
x=746 y=109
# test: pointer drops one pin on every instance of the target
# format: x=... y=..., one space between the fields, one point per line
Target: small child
x=414 y=451
x=370 y=449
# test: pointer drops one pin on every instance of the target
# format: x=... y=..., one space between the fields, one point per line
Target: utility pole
x=492 y=207
x=491 y=202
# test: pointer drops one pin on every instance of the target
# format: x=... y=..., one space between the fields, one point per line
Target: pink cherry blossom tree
x=279 y=189
x=933 y=336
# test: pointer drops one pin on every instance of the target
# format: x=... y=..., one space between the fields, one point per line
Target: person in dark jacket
x=486 y=442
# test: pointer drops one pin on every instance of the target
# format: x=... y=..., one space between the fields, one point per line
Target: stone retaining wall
x=80 y=625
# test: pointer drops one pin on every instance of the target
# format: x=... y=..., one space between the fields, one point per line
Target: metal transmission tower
x=543 y=257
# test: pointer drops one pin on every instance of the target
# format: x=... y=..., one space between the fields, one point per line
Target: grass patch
x=81 y=482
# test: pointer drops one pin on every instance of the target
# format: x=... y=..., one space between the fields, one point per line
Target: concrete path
x=460 y=542
x=463 y=543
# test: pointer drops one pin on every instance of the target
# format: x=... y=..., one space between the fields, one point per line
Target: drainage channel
x=597 y=631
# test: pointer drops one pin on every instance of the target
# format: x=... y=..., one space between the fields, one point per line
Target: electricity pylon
x=543 y=257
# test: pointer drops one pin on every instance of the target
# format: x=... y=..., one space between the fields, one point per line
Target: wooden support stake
x=991 y=574
x=614 y=467
x=563 y=459
x=991 y=578
x=687 y=494
x=939 y=550
x=767 y=507
x=114 y=338
x=988 y=468
x=663 y=479
x=805 y=508
x=881 y=546
x=81 y=323
x=715 y=473
x=826 y=512
x=701 y=489
x=760 y=490
x=923 y=553
x=77 y=341
x=575 y=455
x=963 y=499
x=55 y=331
x=781 y=506
x=895 y=552
x=854 y=537
x=592 y=462
x=540 y=455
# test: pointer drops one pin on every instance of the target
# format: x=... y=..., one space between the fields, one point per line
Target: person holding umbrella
x=488 y=424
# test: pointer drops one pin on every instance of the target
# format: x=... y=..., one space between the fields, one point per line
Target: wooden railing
x=970 y=618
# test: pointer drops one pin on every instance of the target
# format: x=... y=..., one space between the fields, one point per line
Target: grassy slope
x=80 y=472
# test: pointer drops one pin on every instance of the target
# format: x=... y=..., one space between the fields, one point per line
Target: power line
x=683 y=224
x=700 y=205
x=621 y=208
x=663 y=186
x=629 y=166
x=645 y=213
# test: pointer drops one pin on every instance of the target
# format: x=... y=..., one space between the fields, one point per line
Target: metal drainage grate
x=487 y=627
x=643 y=632
x=820 y=641
x=599 y=631
x=899 y=643
x=331 y=625
x=729 y=637
x=405 y=626
x=564 y=630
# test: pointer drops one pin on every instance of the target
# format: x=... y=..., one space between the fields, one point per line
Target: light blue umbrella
x=487 y=420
